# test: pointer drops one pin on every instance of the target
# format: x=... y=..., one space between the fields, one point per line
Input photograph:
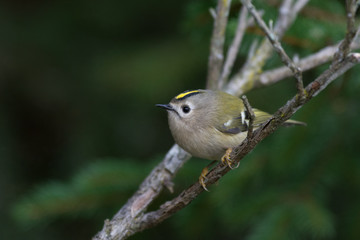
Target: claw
x=203 y=174
x=202 y=178
x=226 y=160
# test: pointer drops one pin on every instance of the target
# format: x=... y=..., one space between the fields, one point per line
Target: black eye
x=185 y=108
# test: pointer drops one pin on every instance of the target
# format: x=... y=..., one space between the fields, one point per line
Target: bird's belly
x=210 y=144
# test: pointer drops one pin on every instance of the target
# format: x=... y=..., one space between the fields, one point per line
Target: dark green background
x=79 y=130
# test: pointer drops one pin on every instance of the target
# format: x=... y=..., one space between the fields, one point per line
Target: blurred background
x=79 y=130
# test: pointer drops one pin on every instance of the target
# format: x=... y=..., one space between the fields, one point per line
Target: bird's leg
x=203 y=174
x=226 y=160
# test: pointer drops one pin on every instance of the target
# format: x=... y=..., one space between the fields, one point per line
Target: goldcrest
x=206 y=123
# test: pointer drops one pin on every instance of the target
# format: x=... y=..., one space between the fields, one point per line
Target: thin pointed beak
x=165 y=106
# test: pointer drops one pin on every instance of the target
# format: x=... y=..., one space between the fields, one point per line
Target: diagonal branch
x=125 y=222
x=284 y=113
x=132 y=218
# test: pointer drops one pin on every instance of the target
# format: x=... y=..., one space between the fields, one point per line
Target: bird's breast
x=207 y=143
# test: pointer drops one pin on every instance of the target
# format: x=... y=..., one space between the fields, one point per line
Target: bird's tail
x=261 y=117
x=290 y=123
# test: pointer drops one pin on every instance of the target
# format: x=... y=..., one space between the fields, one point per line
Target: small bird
x=208 y=124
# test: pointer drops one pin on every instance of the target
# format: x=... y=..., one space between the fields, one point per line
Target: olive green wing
x=240 y=123
x=233 y=126
x=235 y=119
x=232 y=119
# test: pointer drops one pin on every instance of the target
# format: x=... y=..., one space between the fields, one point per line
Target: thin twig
x=271 y=35
x=251 y=116
x=288 y=14
x=344 y=47
x=234 y=47
x=243 y=81
x=300 y=4
x=217 y=44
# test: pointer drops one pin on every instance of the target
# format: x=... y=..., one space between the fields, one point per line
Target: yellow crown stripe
x=182 y=95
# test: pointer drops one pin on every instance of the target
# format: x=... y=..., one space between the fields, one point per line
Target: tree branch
x=272 y=37
x=132 y=218
x=344 y=48
x=323 y=56
x=244 y=80
x=251 y=116
x=284 y=113
x=217 y=44
x=125 y=222
x=234 y=48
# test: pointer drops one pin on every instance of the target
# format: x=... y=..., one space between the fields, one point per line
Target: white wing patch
x=228 y=123
x=242 y=117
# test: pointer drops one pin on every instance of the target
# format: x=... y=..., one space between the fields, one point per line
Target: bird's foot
x=203 y=178
x=227 y=161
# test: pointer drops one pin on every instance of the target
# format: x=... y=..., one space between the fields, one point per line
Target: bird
x=208 y=124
